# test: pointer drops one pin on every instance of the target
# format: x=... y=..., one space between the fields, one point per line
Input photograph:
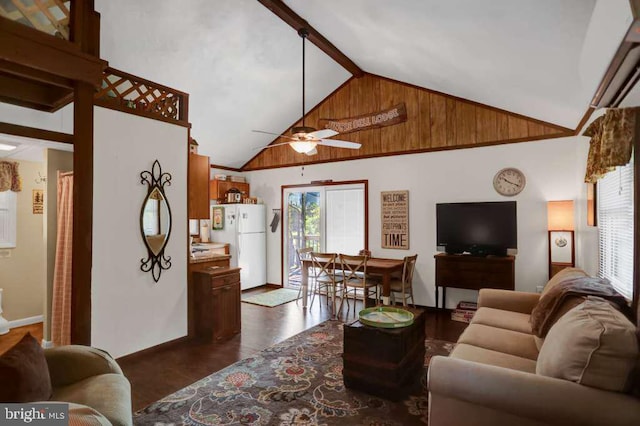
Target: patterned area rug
x=273 y=298
x=295 y=382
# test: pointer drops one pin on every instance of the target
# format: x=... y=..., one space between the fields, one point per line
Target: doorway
x=327 y=218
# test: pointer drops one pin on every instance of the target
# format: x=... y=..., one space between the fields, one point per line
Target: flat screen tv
x=480 y=229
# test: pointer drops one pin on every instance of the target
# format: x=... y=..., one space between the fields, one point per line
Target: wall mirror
x=155 y=221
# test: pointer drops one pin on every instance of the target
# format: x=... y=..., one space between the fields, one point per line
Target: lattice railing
x=138 y=95
x=49 y=16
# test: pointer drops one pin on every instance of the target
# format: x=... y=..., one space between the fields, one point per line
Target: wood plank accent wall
x=435 y=121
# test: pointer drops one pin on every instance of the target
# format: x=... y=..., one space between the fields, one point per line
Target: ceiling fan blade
x=272 y=145
x=314 y=151
x=339 y=144
x=274 y=134
x=322 y=133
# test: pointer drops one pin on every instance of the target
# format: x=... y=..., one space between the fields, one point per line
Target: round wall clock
x=509 y=182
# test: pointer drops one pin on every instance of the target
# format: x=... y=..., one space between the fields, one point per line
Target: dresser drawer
x=224 y=280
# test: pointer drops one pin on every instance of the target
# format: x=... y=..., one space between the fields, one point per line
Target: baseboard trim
x=269 y=285
x=26 y=321
x=153 y=349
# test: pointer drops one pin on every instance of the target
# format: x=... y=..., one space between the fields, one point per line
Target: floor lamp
x=562 y=251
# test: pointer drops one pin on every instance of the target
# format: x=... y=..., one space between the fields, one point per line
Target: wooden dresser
x=473 y=273
x=215 y=311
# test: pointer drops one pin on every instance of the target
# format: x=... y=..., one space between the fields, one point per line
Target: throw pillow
x=593 y=344
x=24 y=373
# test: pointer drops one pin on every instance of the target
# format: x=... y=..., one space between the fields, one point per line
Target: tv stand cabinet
x=473 y=273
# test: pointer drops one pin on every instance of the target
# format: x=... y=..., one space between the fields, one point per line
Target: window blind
x=615 y=228
x=345 y=220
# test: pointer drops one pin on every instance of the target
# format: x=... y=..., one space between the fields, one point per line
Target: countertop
x=213 y=272
x=209 y=258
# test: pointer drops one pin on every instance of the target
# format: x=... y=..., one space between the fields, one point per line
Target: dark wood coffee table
x=386 y=362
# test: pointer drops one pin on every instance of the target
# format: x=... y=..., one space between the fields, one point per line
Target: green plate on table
x=386 y=317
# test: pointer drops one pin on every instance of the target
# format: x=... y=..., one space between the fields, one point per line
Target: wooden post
x=82 y=214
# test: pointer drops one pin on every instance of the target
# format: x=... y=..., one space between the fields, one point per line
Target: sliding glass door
x=329 y=218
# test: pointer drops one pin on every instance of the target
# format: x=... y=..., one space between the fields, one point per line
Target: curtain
x=9 y=176
x=61 y=304
x=612 y=137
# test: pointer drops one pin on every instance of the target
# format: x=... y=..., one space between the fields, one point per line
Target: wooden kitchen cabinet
x=216 y=313
x=200 y=265
x=199 y=172
x=218 y=188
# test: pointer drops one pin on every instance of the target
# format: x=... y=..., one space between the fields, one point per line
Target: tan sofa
x=89 y=377
x=490 y=377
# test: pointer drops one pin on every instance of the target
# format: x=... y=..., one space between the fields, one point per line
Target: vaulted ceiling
x=241 y=64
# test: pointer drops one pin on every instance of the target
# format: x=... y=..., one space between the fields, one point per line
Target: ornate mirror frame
x=156 y=180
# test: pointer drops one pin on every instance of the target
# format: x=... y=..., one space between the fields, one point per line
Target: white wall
x=22 y=270
x=59 y=121
x=554 y=170
x=131 y=312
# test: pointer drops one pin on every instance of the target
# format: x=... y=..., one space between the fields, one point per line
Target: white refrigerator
x=244 y=229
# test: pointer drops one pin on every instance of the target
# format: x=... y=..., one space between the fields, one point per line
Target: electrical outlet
x=539 y=288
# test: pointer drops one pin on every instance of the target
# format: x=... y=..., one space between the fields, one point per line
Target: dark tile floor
x=163 y=372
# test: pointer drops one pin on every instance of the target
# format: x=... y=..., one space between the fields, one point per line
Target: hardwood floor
x=167 y=370
x=15 y=335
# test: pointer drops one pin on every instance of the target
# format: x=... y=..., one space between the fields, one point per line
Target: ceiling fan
x=305 y=139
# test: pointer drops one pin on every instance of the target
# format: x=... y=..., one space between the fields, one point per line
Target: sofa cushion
x=593 y=344
x=503 y=319
x=500 y=340
x=487 y=356
x=109 y=394
x=567 y=294
x=24 y=373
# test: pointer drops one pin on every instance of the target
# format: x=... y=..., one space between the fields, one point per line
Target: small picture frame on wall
x=217 y=218
x=592 y=204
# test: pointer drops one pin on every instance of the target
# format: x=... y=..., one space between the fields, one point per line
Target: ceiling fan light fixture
x=303 y=147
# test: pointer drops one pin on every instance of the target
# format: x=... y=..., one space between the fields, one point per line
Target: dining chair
x=323 y=266
x=372 y=278
x=404 y=285
x=354 y=272
x=304 y=253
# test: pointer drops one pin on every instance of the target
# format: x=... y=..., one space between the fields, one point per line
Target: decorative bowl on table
x=386 y=317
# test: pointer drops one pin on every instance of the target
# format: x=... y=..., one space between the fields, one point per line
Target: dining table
x=381 y=268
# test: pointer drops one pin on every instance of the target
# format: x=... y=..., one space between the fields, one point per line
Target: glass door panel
x=328 y=218
x=302 y=229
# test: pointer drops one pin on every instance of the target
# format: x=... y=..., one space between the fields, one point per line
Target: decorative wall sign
x=37 y=199
x=395 y=219
x=217 y=219
x=394 y=115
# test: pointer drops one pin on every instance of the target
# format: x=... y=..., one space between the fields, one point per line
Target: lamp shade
x=560 y=215
x=303 y=146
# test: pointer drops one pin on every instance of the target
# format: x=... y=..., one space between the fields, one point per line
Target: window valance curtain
x=10 y=177
x=612 y=137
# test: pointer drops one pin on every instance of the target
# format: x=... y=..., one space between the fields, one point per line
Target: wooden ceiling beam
x=30 y=92
x=34 y=133
x=285 y=13
x=35 y=75
x=30 y=48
